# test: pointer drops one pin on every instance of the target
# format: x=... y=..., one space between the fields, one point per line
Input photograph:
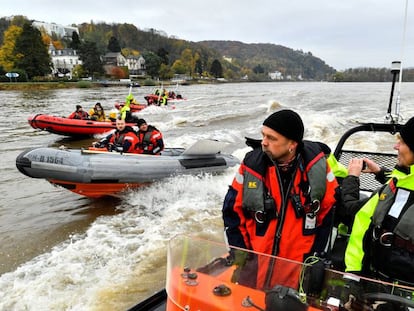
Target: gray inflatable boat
x=94 y=173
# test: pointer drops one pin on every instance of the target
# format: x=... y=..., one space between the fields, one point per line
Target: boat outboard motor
x=283 y=298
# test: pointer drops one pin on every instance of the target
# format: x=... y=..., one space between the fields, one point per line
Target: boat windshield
x=202 y=276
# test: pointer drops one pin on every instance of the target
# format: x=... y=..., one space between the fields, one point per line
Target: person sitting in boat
x=123 y=139
x=150 y=139
x=97 y=113
x=174 y=95
x=79 y=114
x=150 y=100
x=171 y=94
x=352 y=200
x=381 y=244
x=161 y=98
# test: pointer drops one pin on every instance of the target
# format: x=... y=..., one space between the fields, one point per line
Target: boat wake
x=117 y=260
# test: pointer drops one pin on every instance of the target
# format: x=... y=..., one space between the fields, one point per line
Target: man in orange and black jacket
x=280 y=202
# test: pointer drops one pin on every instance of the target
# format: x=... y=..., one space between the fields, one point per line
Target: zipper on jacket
x=281 y=220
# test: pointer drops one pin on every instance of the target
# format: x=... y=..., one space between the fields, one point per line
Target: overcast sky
x=343 y=33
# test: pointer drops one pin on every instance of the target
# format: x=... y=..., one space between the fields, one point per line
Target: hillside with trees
x=236 y=58
x=166 y=56
x=264 y=58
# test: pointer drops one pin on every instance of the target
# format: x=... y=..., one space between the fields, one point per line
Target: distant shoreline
x=21 y=86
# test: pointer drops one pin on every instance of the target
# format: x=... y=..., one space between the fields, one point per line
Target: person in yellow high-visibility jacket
x=381 y=244
x=125 y=111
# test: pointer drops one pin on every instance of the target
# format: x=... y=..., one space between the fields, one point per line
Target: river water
x=61 y=251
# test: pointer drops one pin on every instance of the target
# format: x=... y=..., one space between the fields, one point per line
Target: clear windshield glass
x=202 y=276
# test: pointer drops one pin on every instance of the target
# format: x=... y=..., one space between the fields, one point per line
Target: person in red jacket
x=123 y=139
x=79 y=113
x=150 y=139
x=280 y=203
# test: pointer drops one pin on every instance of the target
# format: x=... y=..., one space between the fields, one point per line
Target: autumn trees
x=25 y=48
x=7 y=56
x=31 y=53
x=24 y=51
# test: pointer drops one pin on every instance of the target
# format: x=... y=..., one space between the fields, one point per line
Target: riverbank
x=17 y=86
x=21 y=86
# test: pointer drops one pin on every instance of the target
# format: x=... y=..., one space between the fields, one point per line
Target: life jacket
x=164 y=100
x=148 y=141
x=126 y=139
x=392 y=245
x=256 y=197
x=97 y=115
x=79 y=115
x=119 y=138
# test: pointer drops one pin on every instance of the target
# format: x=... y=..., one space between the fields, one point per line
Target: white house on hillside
x=114 y=59
x=135 y=64
x=277 y=75
x=63 y=61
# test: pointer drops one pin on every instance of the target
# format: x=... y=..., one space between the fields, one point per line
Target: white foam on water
x=73 y=274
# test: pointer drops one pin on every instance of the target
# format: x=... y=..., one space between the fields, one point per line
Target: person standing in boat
x=125 y=111
x=381 y=244
x=97 y=113
x=150 y=139
x=280 y=203
x=79 y=114
x=123 y=139
x=162 y=100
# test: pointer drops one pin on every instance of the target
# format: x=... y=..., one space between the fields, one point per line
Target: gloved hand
x=98 y=144
x=283 y=298
x=239 y=259
x=101 y=144
x=119 y=149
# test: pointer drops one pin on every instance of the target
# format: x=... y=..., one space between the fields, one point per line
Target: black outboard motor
x=283 y=298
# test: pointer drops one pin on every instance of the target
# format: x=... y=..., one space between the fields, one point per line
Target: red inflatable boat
x=70 y=127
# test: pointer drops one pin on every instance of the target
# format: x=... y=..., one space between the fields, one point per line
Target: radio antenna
x=398 y=98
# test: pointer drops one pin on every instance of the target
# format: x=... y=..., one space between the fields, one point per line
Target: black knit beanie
x=407 y=133
x=286 y=122
x=141 y=122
